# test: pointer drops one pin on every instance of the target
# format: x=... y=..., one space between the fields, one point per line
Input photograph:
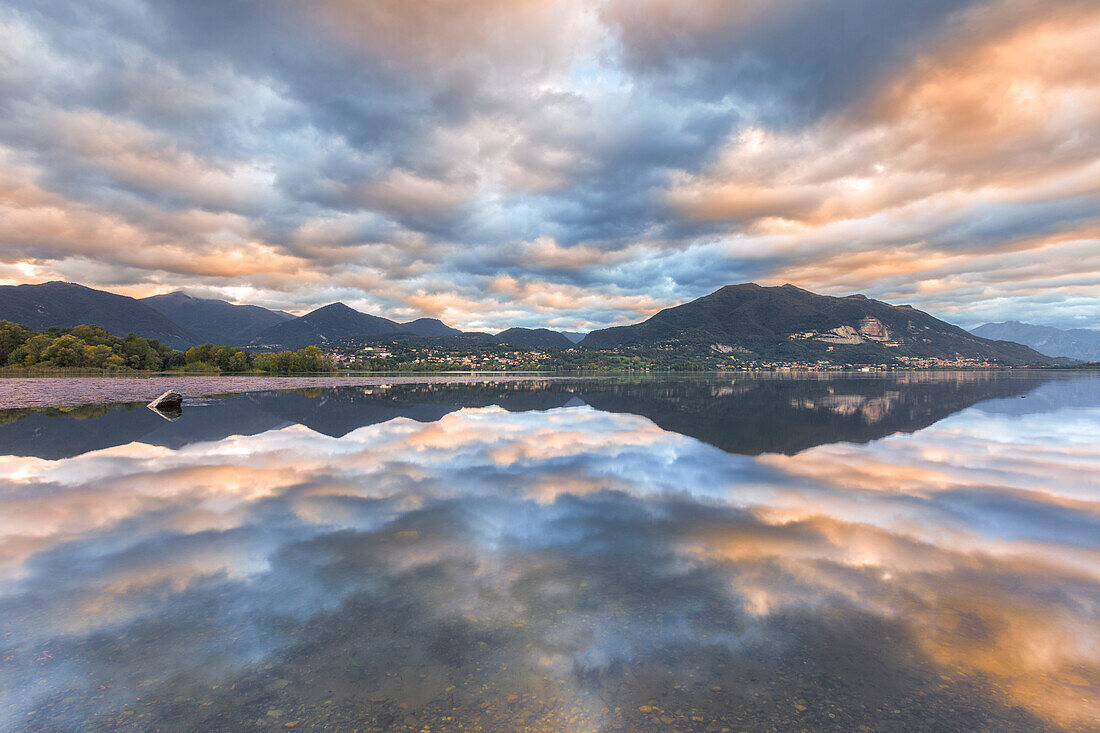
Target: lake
x=903 y=552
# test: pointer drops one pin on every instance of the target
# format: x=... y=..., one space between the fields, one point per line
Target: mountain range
x=789 y=323
x=745 y=321
x=1075 y=343
x=181 y=320
x=215 y=321
x=535 y=338
x=68 y=304
x=336 y=321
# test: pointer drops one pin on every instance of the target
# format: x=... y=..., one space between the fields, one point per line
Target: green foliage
x=309 y=359
x=222 y=358
x=80 y=347
x=12 y=335
x=93 y=348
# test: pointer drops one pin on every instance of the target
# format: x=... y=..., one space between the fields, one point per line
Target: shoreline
x=44 y=392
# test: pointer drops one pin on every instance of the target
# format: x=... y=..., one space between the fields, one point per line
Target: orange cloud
x=993 y=116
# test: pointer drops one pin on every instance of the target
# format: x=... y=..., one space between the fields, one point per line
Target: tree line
x=94 y=348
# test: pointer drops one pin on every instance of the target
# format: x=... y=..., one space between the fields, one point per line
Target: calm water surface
x=903 y=553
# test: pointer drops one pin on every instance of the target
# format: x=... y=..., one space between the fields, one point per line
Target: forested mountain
x=535 y=337
x=68 y=304
x=787 y=322
x=327 y=323
x=428 y=327
x=737 y=322
x=216 y=321
x=338 y=321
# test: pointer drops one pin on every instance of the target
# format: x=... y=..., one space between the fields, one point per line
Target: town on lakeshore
x=64 y=326
x=397 y=355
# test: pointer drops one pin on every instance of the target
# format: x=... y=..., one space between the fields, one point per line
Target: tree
x=96 y=356
x=12 y=335
x=66 y=351
x=240 y=361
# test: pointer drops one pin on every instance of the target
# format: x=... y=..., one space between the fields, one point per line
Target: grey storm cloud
x=407 y=156
x=793 y=59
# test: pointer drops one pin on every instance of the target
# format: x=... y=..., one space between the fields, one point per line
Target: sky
x=563 y=163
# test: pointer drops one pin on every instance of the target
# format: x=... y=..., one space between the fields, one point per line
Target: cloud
x=404 y=156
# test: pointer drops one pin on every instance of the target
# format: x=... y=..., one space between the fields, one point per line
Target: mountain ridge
x=1073 y=343
x=58 y=303
x=215 y=321
x=180 y=320
x=535 y=337
x=327 y=323
x=337 y=321
x=745 y=322
x=429 y=327
x=750 y=321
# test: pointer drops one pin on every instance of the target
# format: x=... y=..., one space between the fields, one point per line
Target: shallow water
x=44 y=391
x=905 y=553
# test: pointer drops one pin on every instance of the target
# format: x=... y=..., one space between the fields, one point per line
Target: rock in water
x=170 y=413
x=169 y=400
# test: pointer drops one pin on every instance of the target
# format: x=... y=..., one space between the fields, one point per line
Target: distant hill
x=180 y=320
x=789 y=323
x=738 y=322
x=327 y=323
x=535 y=337
x=1076 y=343
x=428 y=327
x=337 y=321
x=68 y=304
x=216 y=321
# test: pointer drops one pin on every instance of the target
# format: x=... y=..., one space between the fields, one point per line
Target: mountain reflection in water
x=919 y=552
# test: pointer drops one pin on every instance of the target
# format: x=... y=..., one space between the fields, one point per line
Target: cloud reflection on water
x=589 y=560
